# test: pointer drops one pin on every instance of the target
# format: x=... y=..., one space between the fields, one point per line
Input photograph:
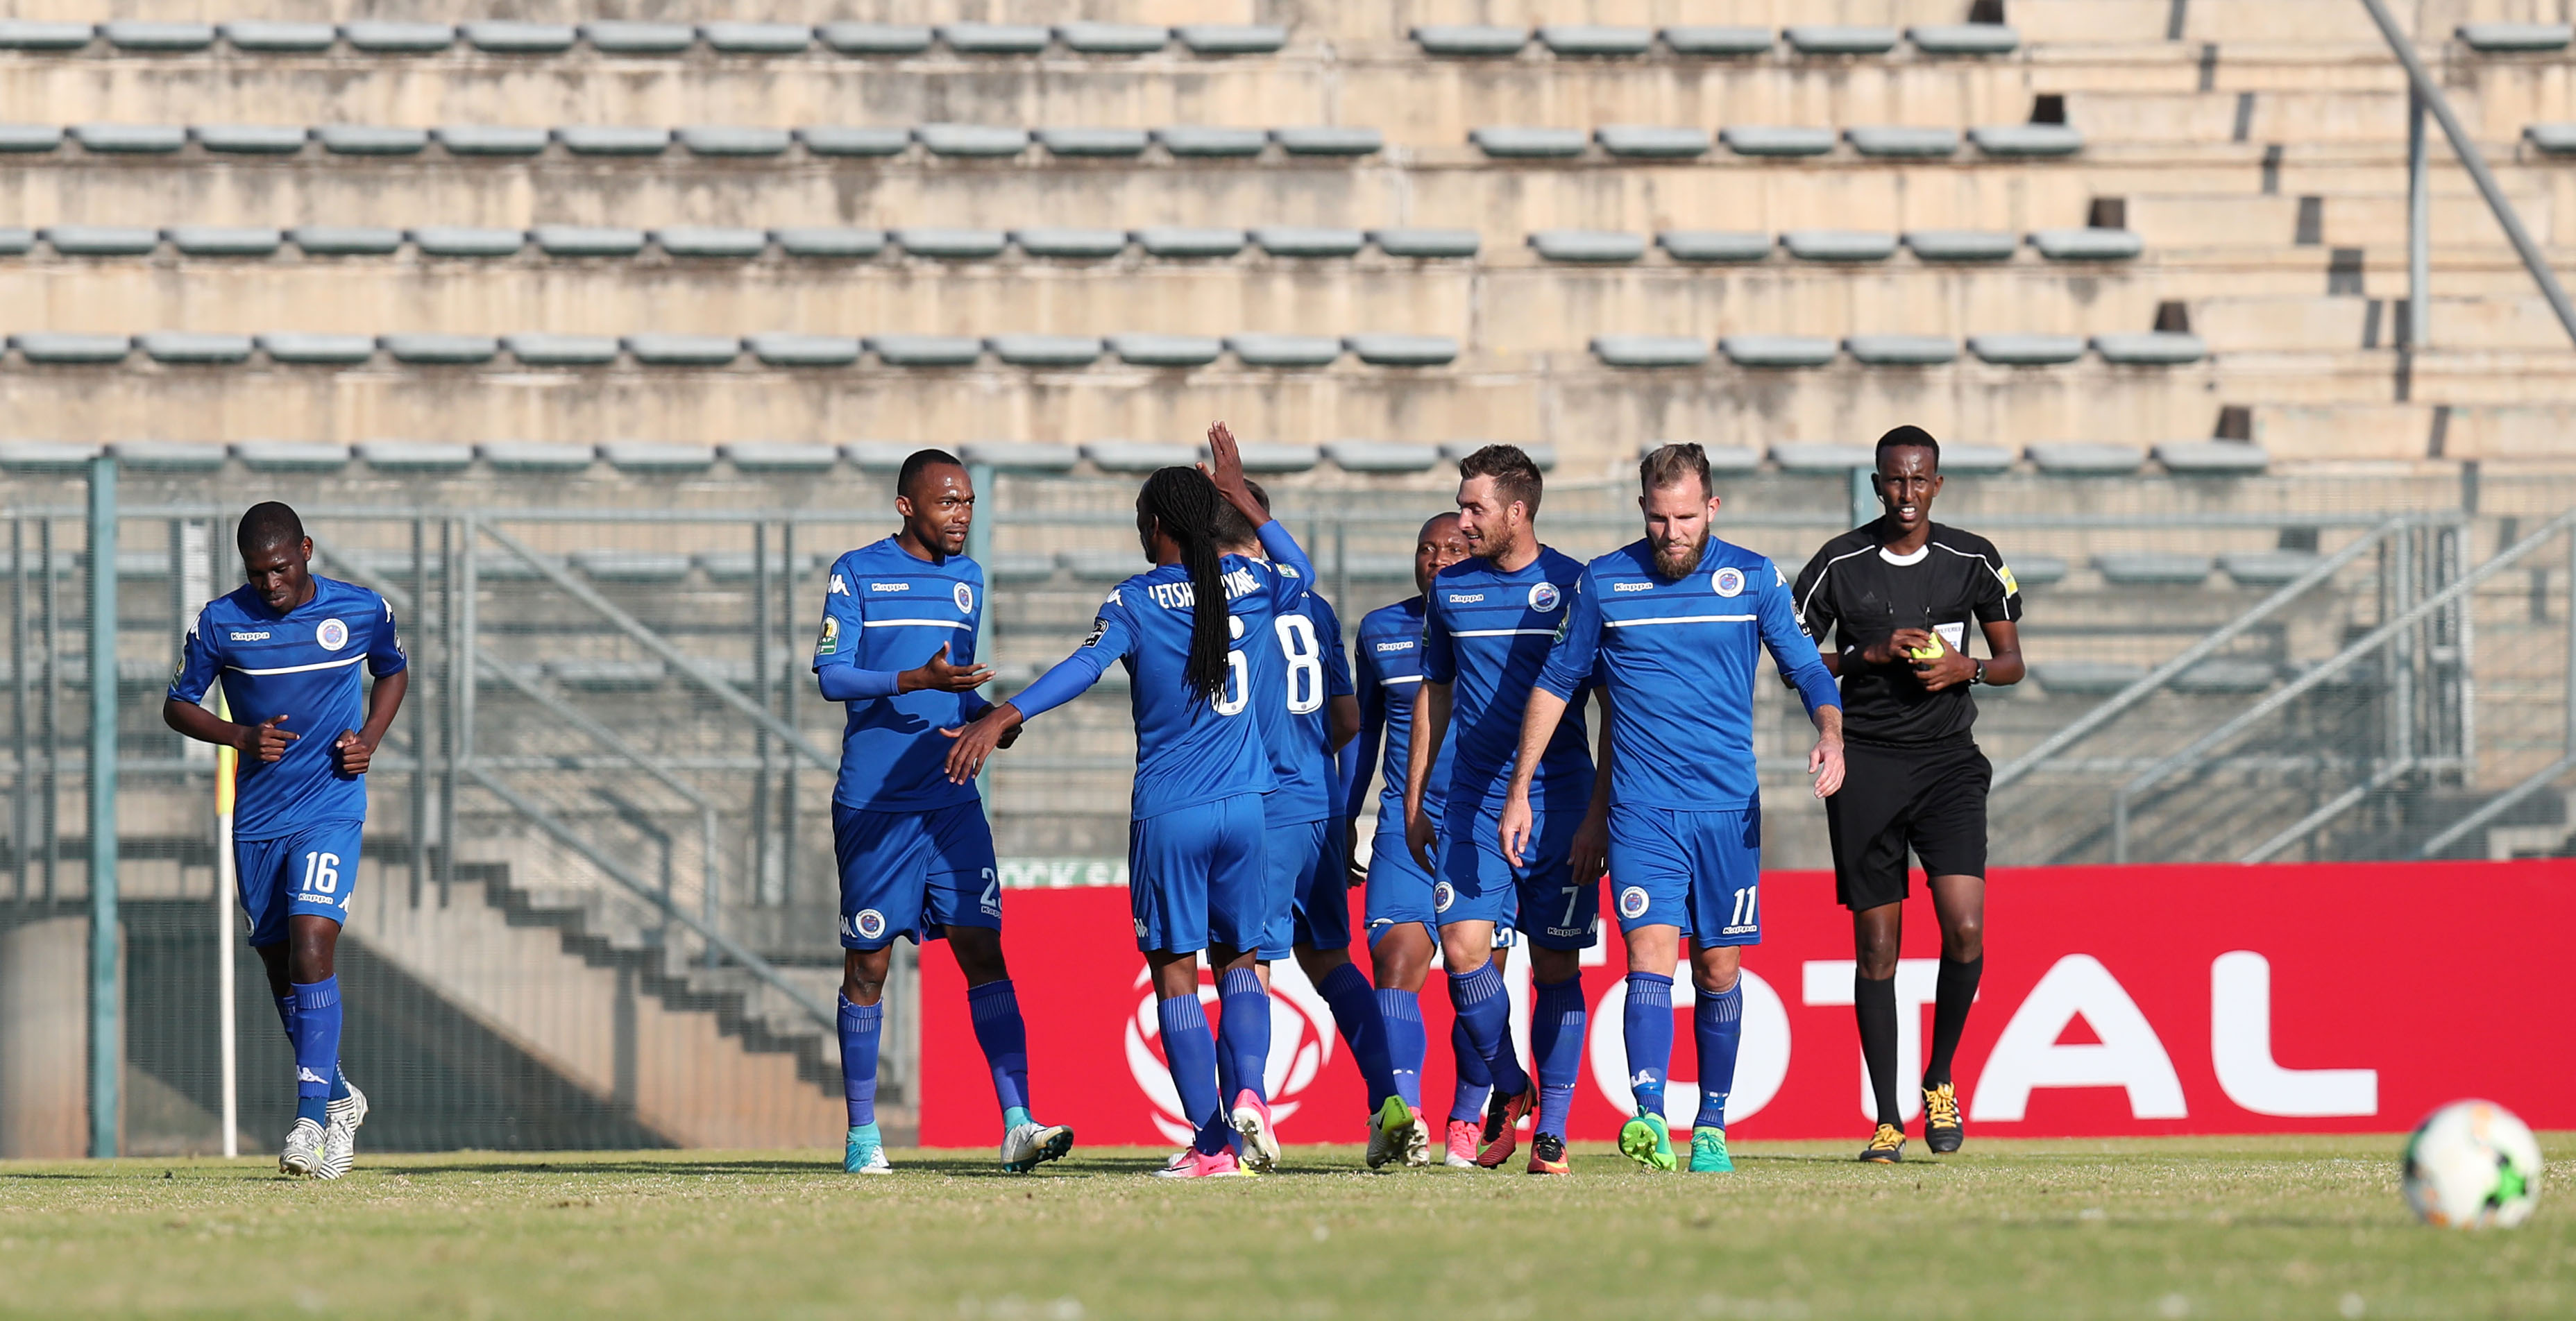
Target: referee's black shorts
x=1931 y=801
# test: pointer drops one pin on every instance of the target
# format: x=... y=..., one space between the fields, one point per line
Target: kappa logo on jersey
x=831 y=640
x=1728 y=581
x=1385 y=647
x=889 y=587
x=1544 y=597
x=1633 y=902
x=1443 y=894
x=1632 y=587
x=839 y=587
x=867 y=924
x=259 y=636
x=965 y=597
x=1465 y=598
x=332 y=636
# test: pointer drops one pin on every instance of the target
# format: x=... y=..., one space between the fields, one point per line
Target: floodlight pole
x=2419 y=228
x=106 y=1045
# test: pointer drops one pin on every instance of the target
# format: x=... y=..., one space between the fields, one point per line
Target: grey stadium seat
x=1280 y=458
x=1977 y=458
x=994 y=38
x=1847 y=245
x=498 y=37
x=2014 y=140
x=2212 y=458
x=1380 y=350
x=1426 y=243
x=659 y=350
x=291 y=455
x=1139 y=455
x=1840 y=39
x=533 y=456
x=345 y=240
x=2082 y=458
x=829 y=242
x=851 y=140
x=397 y=38
x=562 y=350
x=441 y=350
x=2267 y=568
x=614 y=37
x=1026 y=455
x=951 y=244
x=1329 y=140
x=1587 y=245
x=2226 y=675
x=926 y=350
x=148 y=36
x=2038 y=570
x=708 y=241
x=1470 y=39
x=1382 y=456
x=789 y=350
x=1709 y=39
x=1100 y=566
x=613 y=139
x=491 y=139
x=1650 y=350
x=371 y=140
x=1298 y=241
x=181 y=346
x=130 y=139
x=1264 y=350
x=1963 y=244
x=1175 y=241
x=733 y=140
x=777 y=456
x=875 y=38
x=2087 y=244
x=654 y=456
x=1823 y=458
x=1903 y=351
x=223 y=240
x=415 y=455
x=1071 y=244
x=1776 y=140
x=1045 y=350
x=1232 y=38
x=2026 y=350
x=41 y=34
x=16 y=240
x=587 y=240
x=1166 y=350
x=1113 y=38
x=1507 y=142
x=610 y=675
x=2494 y=37
x=971 y=140
x=466 y=241
x=318 y=350
x=1093 y=141
x=1911 y=143
x=2555 y=139
x=1712 y=245
x=25 y=138
x=58 y=347
x=1544 y=455
x=1777 y=350
x=250 y=139
x=181 y=455
x=734 y=38
x=100 y=240
x=872 y=455
x=2157 y=348
x=1205 y=140
x=1652 y=141
x=1964 y=38
x=2151 y=568
x=1595 y=39
x=2084 y=678
x=45 y=456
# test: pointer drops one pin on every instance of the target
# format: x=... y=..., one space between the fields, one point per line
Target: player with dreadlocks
x=1195 y=861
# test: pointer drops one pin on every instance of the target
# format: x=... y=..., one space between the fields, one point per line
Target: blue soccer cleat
x=1647 y=1140
x=866 y=1152
x=1708 y=1151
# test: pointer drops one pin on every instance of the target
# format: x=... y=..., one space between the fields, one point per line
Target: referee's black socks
x=1874 y=1004
x=1957 y=990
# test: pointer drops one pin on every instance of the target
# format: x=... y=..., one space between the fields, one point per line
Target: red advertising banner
x=2116 y=1001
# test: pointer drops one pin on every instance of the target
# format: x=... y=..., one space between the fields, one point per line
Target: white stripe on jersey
x=1503 y=633
x=1819 y=584
x=1680 y=619
x=299 y=669
x=1401 y=678
x=912 y=623
x=1983 y=563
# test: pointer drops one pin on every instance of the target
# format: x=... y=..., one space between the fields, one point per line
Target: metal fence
x=598 y=904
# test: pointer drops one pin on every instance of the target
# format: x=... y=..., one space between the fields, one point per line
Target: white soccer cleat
x=340 y=1136
x=1027 y=1146
x=1394 y=1132
x=302 y=1158
x=874 y=1163
x=1417 y=1144
x=1260 y=1140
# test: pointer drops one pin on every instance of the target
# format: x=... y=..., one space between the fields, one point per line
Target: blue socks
x=1243 y=1033
x=995 y=1007
x=1405 y=1042
x=1190 y=1053
x=1485 y=1008
x=1556 y=1045
x=860 y=1032
x=317 y=1047
x=286 y=1016
x=1475 y=1081
x=1355 y=1012
x=1718 y=1023
x=1648 y=1021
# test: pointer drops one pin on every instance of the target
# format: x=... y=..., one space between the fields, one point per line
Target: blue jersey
x=1294 y=680
x=1387 y=675
x=302 y=665
x=885 y=612
x=1679 y=658
x=1486 y=634
x=1189 y=751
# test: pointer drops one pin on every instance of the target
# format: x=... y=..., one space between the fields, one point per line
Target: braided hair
x=1183 y=503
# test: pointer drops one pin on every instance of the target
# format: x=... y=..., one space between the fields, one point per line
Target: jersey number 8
x=1305 y=664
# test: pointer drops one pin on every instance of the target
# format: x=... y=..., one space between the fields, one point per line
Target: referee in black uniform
x=1897 y=596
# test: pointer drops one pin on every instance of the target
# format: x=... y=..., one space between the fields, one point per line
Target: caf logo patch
x=870 y=924
x=831 y=639
x=332 y=635
x=1728 y=581
x=965 y=598
x=1633 y=902
x=1544 y=597
x=1442 y=895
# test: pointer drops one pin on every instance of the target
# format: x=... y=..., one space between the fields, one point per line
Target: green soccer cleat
x=1648 y=1140
x=1708 y=1152
x=866 y=1152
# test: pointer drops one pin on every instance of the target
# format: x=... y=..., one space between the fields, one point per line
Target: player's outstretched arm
x=355 y=749
x=998 y=727
x=1538 y=724
x=1430 y=726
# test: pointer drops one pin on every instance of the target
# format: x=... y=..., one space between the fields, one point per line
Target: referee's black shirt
x=1859 y=593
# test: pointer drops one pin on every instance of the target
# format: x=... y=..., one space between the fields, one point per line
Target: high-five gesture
x=1225 y=468
x=938 y=674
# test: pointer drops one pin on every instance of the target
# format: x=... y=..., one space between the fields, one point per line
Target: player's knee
x=979 y=954
x=1717 y=981
x=1876 y=951
x=1318 y=964
x=863 y=974
x=1964 y=940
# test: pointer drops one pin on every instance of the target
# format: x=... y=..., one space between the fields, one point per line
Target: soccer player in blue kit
x=287 y=647
x=900 y=617
x=1673 y=626
x=1403 y=930
x=1486 y=628
x=1195 y=859
x=1306 y=710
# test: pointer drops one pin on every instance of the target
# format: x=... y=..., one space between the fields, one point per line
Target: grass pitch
x=2299 y=1227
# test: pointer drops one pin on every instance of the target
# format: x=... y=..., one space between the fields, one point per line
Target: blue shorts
x=310 y=873
x=1700 y=871
x=1542 y=898
x=913 y=874
x=1399 y=891
x=1305 y=889
x=1195 y=877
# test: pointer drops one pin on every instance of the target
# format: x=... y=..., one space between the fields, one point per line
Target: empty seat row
x=971 y=141
x=1660 y=142
x=493 y=37
x=1587 y=40
x=2221 y=676
x=695 y=241
x=2493 y=38
x=2182 y=458
x=1600 y=247
x=2144 y=348
x=201 y=348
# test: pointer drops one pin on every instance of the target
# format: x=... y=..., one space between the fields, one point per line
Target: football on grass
x=2472 y=1165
